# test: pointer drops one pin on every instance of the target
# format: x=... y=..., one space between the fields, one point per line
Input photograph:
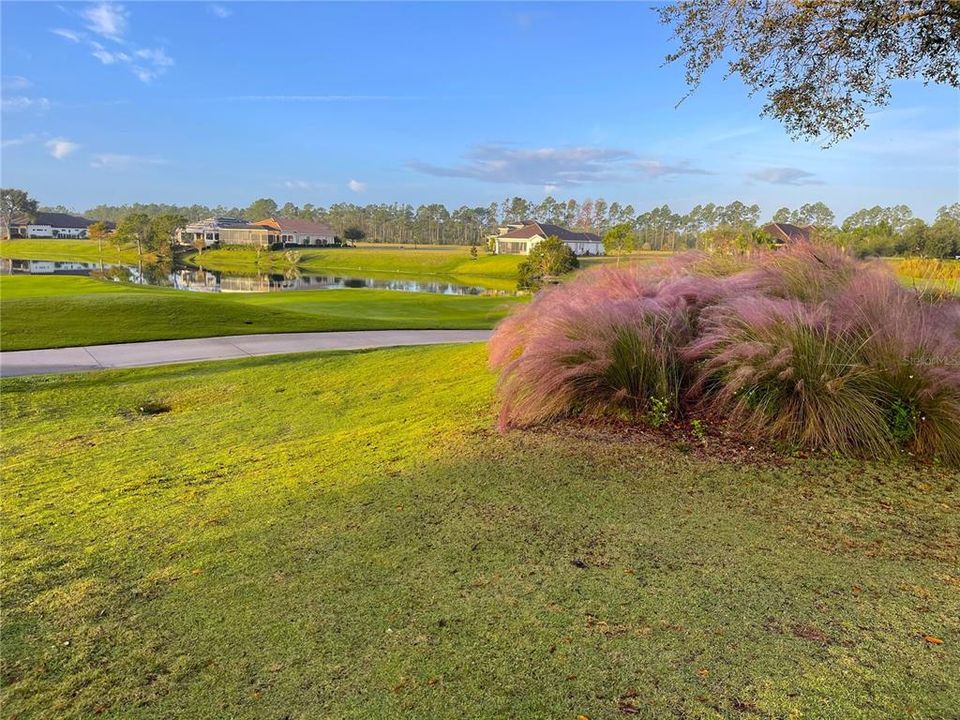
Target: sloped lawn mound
x=805 y=345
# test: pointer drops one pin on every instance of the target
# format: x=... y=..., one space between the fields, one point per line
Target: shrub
x=551 y=257
x=807 y=346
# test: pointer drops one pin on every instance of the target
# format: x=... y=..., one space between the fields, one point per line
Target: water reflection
x=186 y=277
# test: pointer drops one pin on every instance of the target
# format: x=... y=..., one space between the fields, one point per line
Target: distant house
x=785 y=233
x=521 y=238
x=227 y=231
x=300 y=232
x=51 y=225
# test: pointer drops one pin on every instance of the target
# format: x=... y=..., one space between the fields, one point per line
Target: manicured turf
x=445 y=260
x=66 y=250
x=345 y=536
x=43 y=312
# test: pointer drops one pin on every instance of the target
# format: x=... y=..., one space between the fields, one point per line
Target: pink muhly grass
x=805 y=345
x=914 y=346
x=584 y=349
x=803 y=271
x=780 y=369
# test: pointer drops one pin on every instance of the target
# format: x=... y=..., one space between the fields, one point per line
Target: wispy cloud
x=110 y=22
x=357 y=186
x=22 y=102
x=655 y=168
x=106 y=19
x=311 y=98
x=22 y=140
x=14 y=82
x=553 y=167
x=67 y=34
x=533 y=166
x=61 y=147
x=108 y=57
x=118 y=161
x=785 y=176
x=221 y=11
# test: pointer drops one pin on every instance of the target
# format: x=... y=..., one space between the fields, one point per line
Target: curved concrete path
x=163 y=352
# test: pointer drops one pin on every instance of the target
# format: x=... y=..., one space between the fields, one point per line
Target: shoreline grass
x=344 y=535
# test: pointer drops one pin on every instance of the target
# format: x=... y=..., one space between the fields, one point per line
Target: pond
x=183 y=276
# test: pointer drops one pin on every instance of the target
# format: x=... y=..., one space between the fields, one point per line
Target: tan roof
x=785 y=232
x=296 y=225
x=531 y=228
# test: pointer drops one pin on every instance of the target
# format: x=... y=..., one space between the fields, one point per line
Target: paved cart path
x=163 y=352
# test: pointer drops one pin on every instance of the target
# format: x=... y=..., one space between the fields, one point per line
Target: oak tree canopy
x=820 y=63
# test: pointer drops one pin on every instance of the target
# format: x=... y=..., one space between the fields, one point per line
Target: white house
x=521 y=238
x=51 y=225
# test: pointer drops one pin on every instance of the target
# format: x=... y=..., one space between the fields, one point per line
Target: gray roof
x=59 y=220
x=532 y=227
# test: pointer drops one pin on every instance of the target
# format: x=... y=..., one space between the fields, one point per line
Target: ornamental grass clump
x=781 y=369
x=804 y=345
x=914 y=347
x=605 y=344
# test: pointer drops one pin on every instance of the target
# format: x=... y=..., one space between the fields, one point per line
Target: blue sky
x=455 y=103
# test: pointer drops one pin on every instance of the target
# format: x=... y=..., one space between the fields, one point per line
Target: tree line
x=870 y=231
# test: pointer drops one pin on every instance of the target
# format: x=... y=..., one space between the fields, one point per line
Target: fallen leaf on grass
x=933 y=639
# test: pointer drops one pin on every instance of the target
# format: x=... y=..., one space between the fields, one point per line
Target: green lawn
x=43 y=312
x=446 y=260
x=67 y=250
x=345 y=536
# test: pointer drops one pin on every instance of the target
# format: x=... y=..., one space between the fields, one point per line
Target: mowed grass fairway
x=344 y=536
x=70 y=250
x=45 y=312
x=449 y=260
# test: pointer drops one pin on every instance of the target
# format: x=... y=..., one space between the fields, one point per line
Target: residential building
x=521 y=238
x=227 y=231
x=51 y=225
x=784 y=233
x=294 y=231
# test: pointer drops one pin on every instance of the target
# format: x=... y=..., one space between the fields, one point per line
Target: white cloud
x=106 y=19
x=106 y=56
x=156 y=56
x=311 y=98
x=67 y=34
x=23 y=140
x=357 y=186
x=548 y=189
x=118 y=161
x=22 y=102
x=14 y=82
x=220 y=11
x=60 y=147
x=110 y=21
x=655 y=168
x=785 y=176
x=555 y=167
